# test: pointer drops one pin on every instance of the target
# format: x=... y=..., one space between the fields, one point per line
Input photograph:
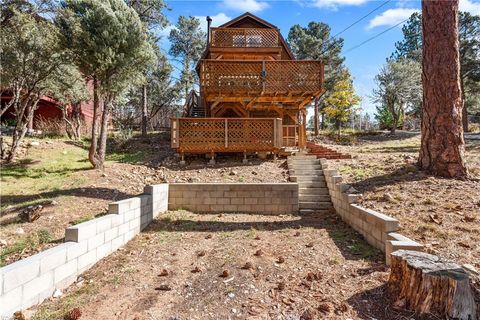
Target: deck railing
x=226 y=76
x=244 y=38
x=207 y=135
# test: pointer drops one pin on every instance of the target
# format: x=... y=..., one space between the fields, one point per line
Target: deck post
x=245 y=160
x=182 y=157
x=212 y=158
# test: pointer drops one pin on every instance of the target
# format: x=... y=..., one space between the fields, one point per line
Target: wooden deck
x=280 y=77
x=212 y=135
x=244 y=38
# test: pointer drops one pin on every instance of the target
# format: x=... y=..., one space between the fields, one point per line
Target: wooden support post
x=245 y=160
x=182 y=157
x=212 y=158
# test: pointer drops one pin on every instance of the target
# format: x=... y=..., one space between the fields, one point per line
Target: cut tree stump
x=425 y=283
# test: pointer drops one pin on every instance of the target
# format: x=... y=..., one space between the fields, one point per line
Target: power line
x=383 y=4
x=351 y=25
x=375 y=36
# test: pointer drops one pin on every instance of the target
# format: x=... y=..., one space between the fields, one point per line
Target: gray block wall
x=264 y=198
x=378 y=229
x=31 y=280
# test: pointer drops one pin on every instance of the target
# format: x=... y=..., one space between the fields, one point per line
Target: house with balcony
x=253 y=92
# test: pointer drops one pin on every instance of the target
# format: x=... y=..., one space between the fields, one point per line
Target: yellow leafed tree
x=341 y=102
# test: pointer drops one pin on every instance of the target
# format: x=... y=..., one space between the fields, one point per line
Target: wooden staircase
x=325 y=153
x=313 y=194
x=193 y=107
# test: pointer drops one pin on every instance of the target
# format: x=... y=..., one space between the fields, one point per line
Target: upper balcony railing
x=236 y=76
x=244 y=38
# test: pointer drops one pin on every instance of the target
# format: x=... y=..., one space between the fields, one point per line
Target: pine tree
x=110 y=45
x=188 y=43
x=314 y=42
x=442 y=145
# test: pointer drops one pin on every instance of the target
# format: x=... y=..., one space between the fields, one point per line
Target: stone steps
x=307 y=178
x=313 y=191
x=313 y=196
x=312 y=184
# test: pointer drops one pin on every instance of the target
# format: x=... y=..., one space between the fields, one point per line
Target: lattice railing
x=226 y=134
x=244 y=38
x=219 y=76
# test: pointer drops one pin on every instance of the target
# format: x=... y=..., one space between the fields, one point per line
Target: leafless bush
x=50 y=126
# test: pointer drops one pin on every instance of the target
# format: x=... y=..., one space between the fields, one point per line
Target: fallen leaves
x=163 y=273
x=258 y=253
x=224 y=274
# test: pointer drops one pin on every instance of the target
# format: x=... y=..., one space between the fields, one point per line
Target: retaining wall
x=265 y=198
x=31 y=280
x=378 y=229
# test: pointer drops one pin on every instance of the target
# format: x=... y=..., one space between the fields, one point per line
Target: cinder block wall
x=378 y=229
x=266 y=198
x=31 y=280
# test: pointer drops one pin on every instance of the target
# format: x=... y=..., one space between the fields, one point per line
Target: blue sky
x=363 y=62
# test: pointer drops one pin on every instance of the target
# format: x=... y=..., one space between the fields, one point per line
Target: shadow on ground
x=376 y=303
x=406 y=173
x=87 y=192
x=351 y=244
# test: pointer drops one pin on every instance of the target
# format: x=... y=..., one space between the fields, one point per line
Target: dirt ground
x=188 y=266
x=442 y=214
x=58 y=170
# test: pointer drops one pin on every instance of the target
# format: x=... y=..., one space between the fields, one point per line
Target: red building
x=47 y=109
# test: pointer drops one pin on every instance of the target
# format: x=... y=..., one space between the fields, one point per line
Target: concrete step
x=314 y=197
x=312 y=191
x=311 y=184
x=308 y=178
x=305 y=172
x=312 y=159
x=302 y=157
x=305 y=166
x=315 y=205
x=313 y=211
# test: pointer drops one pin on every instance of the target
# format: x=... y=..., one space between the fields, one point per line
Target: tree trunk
x=315 y=116
x=442 y=146
x=92 y=152
x=144 y=111
x=24 y=116
x=464 y=108
x=425 y=283
x=102 y=148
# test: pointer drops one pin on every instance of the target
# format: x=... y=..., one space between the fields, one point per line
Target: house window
x=254 y=41
x=238 y=41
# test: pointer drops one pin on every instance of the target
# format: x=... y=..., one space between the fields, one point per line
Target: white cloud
x=391 y=17
x=245 y=5
x=470 y=6
x=218 y=19
x=334 y=4
x=165 y=32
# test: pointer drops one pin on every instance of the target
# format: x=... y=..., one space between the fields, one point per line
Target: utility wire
x=383 y=4
x=351 y=25
x=375 y=36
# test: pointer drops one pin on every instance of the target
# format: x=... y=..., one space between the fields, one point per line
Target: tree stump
x=31 y=213
x=425 y=283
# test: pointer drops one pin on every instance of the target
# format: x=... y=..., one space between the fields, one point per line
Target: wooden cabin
x=253 y=92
